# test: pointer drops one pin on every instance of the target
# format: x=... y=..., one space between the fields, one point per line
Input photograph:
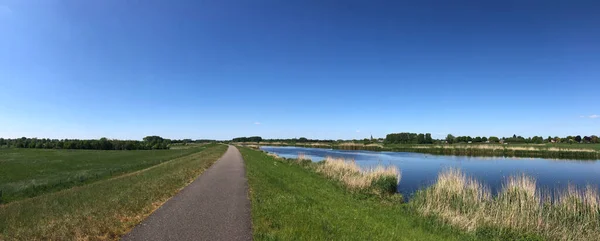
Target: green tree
x=428 y=138
x=450 y=138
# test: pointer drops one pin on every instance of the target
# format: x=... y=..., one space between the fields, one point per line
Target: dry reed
x=356 y=178
x=570 y=214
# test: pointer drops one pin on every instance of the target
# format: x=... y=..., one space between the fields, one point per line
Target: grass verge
x=292 y=202
x=105 y=209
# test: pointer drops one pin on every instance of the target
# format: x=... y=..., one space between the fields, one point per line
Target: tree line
x=148 y=143
x=408 y=138
x=185 y=141
x=289 y=140
x=247 y=139
x=519 y=139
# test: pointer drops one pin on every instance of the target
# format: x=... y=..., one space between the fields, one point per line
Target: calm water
x=420 y=170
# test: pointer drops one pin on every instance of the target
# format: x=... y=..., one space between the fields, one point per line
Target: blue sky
x=280 y=69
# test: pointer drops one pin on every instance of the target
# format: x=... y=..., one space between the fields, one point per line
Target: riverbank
x=554 y=151
x=454 y=202
x=292 y=202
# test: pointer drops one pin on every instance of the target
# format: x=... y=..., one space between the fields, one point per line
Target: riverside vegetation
x=519 y=208
x=104 y=209
x=292 y=201
x=569 y=147
x=519 y=211
x=555 y=151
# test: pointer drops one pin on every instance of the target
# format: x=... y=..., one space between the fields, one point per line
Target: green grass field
x=26 y=173
x=290 y=202
x=105 y=209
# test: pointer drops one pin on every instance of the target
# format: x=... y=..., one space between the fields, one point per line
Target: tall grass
x=381 y=179
x=571 y=214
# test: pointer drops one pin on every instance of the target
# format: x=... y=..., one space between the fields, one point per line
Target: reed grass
x=570 y=214
x=381 y=179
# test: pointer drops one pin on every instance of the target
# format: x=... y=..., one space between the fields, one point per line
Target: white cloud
x=595 y=116
x=357 y=131
x=257 y=123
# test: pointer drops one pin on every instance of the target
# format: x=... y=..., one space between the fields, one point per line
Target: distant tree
x=494 y=139
x=421 y=139
x=484 y=139
x=477 y=139
x=302 y=139
x=537 y=139
x=255 y=139
x=152 y=139
x=428 y=138
x=594 y=139
x=450 y=138
x=578 y=139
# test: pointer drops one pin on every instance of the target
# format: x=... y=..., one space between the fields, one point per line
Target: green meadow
x=108 y=208
x=26 y=173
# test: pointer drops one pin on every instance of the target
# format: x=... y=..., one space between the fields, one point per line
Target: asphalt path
x=215 y=206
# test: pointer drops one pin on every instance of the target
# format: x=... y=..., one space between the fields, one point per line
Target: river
x=421 y=170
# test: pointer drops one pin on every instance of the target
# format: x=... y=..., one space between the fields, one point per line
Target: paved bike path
x=215 y=206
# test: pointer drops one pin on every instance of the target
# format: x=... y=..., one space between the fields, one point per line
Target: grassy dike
x=292 y=202
x=105 y=209
x=26 y=173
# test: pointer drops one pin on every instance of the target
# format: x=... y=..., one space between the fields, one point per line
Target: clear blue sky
x=280 y=69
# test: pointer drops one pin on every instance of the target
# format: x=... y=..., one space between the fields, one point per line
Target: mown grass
x=105 y=209
x=519 y=208
x=291 y=201
x=26 y=173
